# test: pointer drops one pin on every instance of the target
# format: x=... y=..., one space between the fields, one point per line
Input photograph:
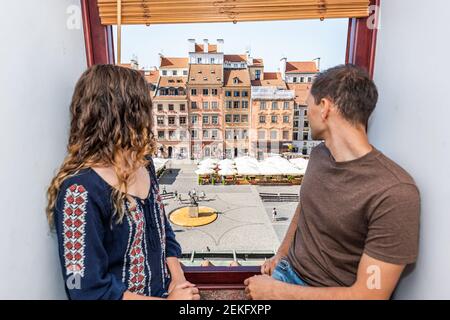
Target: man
x=357 y=224
x=274 y=214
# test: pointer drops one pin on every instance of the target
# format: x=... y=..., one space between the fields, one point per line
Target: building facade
x=205 y=84
x=236 y=97
x=212 y=104
x=170 y=109
x=272 y=116
x=299 y=76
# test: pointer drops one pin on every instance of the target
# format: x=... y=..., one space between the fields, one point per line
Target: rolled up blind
x=190 y=11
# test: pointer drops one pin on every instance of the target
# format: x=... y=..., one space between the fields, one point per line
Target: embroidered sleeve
x=83 y=256
x=173 y=248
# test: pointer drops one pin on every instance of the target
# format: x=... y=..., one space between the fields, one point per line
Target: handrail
x=220 y=278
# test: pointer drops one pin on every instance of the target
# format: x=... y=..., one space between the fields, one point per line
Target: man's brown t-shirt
x=368 y=205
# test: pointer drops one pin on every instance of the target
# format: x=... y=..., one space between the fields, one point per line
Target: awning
x=201 y=11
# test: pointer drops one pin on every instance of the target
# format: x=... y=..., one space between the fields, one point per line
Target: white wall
x=40 y=60
x=411 y=125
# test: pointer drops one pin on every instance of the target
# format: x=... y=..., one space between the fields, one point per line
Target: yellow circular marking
x=181 y=217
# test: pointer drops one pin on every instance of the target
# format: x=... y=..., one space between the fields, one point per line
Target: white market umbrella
x=226 y=162
x=299 y=163
x=204 y=171
x=247 y=170
x=227 y=172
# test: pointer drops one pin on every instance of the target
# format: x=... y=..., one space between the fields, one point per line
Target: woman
x=114 y=239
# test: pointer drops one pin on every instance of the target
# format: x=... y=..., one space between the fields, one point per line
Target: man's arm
x=375 y=280
x=283 y=250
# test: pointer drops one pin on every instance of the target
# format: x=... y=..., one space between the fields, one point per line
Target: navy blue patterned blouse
x=101 y=259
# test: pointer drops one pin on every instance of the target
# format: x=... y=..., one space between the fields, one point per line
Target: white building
x=205 y=53
x=299 y=76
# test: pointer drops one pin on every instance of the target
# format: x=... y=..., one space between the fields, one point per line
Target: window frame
x=99 y=44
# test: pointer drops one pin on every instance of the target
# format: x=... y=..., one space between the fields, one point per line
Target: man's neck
x=347 y=143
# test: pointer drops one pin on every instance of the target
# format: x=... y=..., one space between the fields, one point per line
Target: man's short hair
x=350 y=88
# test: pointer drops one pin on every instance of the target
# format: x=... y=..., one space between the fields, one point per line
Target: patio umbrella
x=227 y=172
x=247 y=170
x=204 y=171
x=226 y=162
x=299 y=163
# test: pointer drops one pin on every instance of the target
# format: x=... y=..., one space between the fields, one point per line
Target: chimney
x=283 y=68
x=205 y=45
x=249 y=58
x=191 y=43
x=220 y=43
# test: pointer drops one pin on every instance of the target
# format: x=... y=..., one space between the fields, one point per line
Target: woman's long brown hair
x=111 y=121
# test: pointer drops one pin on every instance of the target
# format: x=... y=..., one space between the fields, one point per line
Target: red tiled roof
x=172 y=81
x=241 y=74
x=151 y=76
x=205 y=74
x=301 y=91
x=212 y=48
x=258 y=62
x=301 y=67
x=171 y=63
x=235 y=57
x=271 y=79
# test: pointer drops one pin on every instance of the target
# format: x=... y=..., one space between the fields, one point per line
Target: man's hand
x=260 y=287
x=270 y=264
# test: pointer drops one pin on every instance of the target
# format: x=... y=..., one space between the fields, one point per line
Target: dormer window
x=236 y=80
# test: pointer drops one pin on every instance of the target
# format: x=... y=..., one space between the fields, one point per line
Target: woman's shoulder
x=85 y=182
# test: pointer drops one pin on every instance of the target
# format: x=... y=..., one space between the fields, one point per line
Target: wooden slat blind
x=201 y=11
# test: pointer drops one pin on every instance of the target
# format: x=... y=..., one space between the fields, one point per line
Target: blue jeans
x=284 y=272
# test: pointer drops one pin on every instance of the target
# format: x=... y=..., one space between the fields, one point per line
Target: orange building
x=236 y=97
x=205 y=108
x=170 y=109
x=272 y=110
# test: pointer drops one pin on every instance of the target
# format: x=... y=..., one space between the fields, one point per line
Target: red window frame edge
x=361 y=45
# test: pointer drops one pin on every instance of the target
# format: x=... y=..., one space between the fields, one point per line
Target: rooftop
x=170 y=81
x=301 y=67
x=205 y=74
x=174 y=63
x=257 y=62
x=212 y=48
x=151 y=76
x=270 y=79
x=241 y=75
x=235 y=57
x=301 y=91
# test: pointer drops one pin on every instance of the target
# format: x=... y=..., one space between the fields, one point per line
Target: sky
x=297 y=40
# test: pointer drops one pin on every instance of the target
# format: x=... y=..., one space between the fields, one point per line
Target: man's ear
x=325 y=108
